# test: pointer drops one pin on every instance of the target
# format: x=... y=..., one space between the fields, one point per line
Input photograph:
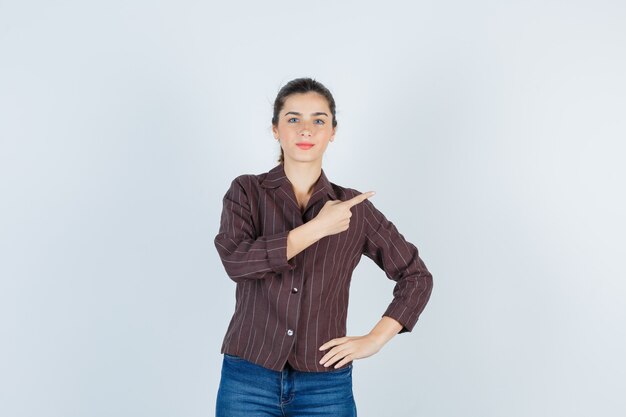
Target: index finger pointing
x=359 y=198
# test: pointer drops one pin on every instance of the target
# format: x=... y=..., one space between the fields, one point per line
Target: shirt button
x=294 y=290
x=290 y=332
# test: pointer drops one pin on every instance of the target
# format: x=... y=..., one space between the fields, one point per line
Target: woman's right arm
x=243 y=254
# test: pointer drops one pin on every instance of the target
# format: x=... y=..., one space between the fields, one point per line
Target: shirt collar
x=276 y=177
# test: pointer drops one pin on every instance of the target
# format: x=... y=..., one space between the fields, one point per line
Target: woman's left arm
x=400 y=260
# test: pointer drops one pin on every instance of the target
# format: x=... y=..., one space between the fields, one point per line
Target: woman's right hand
x=334 y=217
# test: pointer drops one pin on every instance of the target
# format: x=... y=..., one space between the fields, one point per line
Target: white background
x=492 y=131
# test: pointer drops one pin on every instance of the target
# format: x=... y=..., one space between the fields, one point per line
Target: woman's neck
x=303 y=175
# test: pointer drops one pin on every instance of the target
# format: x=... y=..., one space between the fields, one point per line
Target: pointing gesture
x=357 y=199
x=334 y=217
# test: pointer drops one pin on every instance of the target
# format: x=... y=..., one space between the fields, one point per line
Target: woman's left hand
x=350 y=348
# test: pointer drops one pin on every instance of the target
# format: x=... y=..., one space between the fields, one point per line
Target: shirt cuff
x=277 y=253
x=402 y=314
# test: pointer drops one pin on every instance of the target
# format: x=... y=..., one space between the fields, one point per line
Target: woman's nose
x=306 y=128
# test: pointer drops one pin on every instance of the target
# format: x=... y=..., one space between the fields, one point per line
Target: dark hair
x=296 y=86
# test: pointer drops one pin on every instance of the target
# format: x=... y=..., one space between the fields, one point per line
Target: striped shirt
x=286 y=309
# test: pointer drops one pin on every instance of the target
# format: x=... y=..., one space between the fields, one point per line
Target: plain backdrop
x=500 y=124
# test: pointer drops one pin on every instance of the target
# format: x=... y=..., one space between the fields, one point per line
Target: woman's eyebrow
x=317 y=113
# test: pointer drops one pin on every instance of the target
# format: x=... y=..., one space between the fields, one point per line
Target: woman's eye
x=321 y=122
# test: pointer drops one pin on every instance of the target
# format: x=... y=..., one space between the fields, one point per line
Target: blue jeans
x=250 y=390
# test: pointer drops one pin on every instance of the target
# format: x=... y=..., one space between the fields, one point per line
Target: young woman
x=290 y=239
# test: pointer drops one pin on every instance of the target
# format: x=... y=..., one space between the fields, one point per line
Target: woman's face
x=305 y=118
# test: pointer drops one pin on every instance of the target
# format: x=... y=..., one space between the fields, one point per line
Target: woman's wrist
x=385 y=330
x=314 y=229
x=302 y=237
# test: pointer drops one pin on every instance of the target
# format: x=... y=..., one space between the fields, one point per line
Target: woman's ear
x=275 y=132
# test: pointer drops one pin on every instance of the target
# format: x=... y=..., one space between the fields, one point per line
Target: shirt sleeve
x=244 y=254
x=400 y=260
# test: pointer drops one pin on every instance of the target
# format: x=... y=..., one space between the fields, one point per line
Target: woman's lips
x=304 y=145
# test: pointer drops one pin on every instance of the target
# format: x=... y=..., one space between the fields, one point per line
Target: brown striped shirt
x=286 y=309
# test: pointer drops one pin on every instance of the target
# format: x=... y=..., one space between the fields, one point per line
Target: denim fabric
x=250 y=390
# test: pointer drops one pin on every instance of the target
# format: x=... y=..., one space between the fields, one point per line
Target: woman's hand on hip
x=349 y=348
